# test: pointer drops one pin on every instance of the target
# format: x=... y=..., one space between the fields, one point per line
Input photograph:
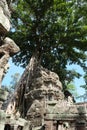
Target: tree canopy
x=56 y=29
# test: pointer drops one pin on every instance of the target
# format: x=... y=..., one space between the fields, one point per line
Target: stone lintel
x=62 y=117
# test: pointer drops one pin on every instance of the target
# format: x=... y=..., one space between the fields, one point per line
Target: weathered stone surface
x=5 y=104
x=36 y=88
x=2 y=116
x=7 y=49
x=3 y=95
x=4 y=17
x=9 y=46
x=12 y=122
x=36 y=113
x=1 y=102
x=27 y=126
x=37 y=83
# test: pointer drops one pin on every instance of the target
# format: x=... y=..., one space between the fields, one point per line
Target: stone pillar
x=72 y=126
x=55 y=125
x=8 y=49
x=60 y=127
x=15 y=127
x=49 y=125
x=63 y=126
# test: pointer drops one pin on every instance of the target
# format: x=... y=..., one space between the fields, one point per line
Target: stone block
x=4 y=23
x=10 y=46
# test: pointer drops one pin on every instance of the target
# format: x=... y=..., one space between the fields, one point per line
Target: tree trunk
x=23 y=86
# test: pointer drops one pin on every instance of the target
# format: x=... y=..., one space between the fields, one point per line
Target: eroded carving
x=7 y=49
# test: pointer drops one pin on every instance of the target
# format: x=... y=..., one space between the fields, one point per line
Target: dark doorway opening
x=20 y=128
x=7 y=127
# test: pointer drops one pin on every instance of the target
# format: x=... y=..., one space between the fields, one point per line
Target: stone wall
x=7 y=45
x=7 y=49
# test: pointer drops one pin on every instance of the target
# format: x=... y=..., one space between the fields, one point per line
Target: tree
x=84 y=96
x=72 y=89
x=14 y=81
x=55 y=30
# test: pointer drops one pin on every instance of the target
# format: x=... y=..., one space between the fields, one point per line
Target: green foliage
x=85 y=79
x=72 y=89
x=56 y=29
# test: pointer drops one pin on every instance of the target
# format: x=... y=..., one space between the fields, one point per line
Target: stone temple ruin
x=38 y=102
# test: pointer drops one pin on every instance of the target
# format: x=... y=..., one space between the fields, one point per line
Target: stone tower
x=37 y=90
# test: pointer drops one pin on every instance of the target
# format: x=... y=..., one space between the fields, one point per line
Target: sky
x=11 y=71
x=78 y=81
x=17 y=69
